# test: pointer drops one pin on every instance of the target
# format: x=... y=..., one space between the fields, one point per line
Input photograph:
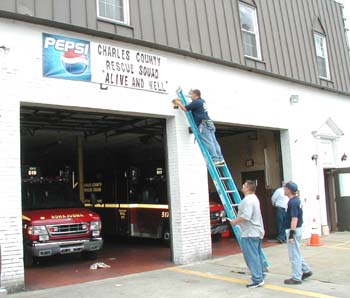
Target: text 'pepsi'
x=66 y=45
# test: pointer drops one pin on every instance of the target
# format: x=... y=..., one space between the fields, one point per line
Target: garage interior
x=49 y=138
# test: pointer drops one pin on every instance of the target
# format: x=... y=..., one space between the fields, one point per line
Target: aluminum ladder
x=221 y=176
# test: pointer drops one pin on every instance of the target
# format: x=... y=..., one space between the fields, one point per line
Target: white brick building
x=315 y=124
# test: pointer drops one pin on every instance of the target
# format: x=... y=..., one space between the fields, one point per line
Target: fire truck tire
x=89 y=255
x=28 y=259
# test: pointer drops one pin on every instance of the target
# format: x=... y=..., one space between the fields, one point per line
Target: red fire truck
x=134 y=204
x=54 y=219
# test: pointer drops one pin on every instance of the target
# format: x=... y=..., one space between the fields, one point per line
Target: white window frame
x=256 y=33
x=125 y=12
x=325 y=56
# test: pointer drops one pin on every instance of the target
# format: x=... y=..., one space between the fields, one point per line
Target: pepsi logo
x=74 y=63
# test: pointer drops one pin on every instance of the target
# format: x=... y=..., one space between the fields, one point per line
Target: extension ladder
x=220 y=175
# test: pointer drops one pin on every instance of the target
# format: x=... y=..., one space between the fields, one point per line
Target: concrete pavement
x=227 y=277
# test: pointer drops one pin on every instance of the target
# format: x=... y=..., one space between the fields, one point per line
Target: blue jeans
x=280 y=218
x=251 y=247
x=207 y=132
x=298 y=264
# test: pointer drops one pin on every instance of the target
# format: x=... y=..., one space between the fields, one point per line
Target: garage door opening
x=254 y=153
x=120 y=162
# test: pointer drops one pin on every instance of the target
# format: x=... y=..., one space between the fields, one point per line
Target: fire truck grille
x=214 y=215
x=68 y=229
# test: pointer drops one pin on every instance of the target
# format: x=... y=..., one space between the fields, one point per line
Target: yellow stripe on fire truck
x=130 y=206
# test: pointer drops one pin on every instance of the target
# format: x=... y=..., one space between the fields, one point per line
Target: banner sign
x=75 y=59
x=128 y=68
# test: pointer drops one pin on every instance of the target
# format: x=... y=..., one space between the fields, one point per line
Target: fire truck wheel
x=166 y=236
x=28 y=259
x=89 y=255
x=216 y=237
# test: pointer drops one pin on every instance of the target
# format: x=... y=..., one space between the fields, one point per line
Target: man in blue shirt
x=198 y=108
x=294 y=230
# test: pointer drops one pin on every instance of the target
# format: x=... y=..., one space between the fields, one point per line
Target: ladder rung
x=225 y=178
x=230 y=191
x=234 y=205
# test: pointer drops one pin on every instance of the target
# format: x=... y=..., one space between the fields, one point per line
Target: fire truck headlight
x=39 y=230
x=95 y=233
x=43 y=237
x=222 y=214
x=95 y=226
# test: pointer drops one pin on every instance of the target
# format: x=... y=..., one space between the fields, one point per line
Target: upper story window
x=250 y=32
x=321 y=55
x=113 y=10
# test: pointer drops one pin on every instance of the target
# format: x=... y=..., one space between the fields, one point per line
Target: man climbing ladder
x=205 y=125
x=196 y=112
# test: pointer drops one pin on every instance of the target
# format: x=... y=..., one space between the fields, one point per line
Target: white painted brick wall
x=189 y=204
x=12 y=271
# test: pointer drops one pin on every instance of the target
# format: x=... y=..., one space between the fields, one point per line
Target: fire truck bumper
x=43 y=249
x=218 y=229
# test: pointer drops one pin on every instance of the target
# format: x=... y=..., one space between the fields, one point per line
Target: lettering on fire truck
x=93 y=187
x=165 y=214
x=122 y=213
x=62 y=216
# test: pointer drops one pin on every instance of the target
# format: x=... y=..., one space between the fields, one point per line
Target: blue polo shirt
x=294 y=210
x=198 y=107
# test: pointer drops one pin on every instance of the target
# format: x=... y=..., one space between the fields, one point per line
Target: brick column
x=188 y=194
x=12 y=271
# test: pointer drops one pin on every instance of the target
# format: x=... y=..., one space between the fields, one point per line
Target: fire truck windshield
x=49 y=196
